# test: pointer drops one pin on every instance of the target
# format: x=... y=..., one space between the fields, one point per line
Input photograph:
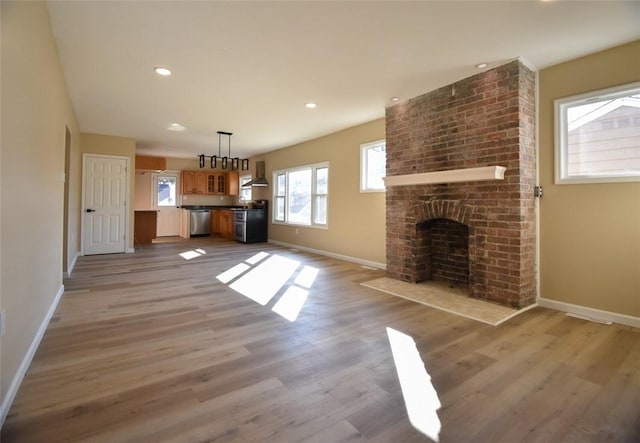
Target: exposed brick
x=488 y=120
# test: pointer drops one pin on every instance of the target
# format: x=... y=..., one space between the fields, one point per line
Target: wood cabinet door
x=233 y=183
x=226 y=224
x=201 y=182
x=221 y=180
x=216 y=183
x=215 y=221
x=185 y=223
x=211 y=184
x=188 y=182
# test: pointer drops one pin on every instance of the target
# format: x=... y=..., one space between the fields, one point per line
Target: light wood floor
x=150 y=347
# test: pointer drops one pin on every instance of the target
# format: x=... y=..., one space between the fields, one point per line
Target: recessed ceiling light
x=481 y=65
x=311 y=105
x=162 y=71
x=176 y=127
x=395 y=99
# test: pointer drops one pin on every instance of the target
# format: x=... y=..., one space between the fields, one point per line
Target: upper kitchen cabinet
x=153 y=164
x=210 y=183
x=194 y=182
x=216 y=183
x=233 y=183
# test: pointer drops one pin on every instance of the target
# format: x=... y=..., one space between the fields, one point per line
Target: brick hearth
x=484 y=120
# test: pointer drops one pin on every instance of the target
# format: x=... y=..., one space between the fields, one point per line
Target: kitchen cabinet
x=144 y=227
x=216 y=183
x=201 y=182
x=194 y=182
x=226 y=224
x=210 y=183
x=185 y=223
x=233 y=183
x=188 y=179
x=215 y=221
x=155 y=164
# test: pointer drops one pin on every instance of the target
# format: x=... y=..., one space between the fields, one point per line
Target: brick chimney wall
x=484 y=120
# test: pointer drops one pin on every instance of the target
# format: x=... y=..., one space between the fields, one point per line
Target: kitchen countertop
x=211 y=207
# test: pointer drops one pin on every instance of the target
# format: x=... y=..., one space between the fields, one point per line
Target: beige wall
x=118 y=146
x=142 y=191
x=73 y=215
x=356 y=220
x=589 y=234
x=35 y=109
x=182 y=164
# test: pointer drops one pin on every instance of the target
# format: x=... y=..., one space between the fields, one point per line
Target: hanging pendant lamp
x=236 y=162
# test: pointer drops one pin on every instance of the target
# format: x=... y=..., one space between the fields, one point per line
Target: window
x=373 y=163
x=245 y=193
x=300 y=195
x=598 y=136
x=167 y=190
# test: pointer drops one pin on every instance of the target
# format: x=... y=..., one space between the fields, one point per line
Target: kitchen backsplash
x=208 y=200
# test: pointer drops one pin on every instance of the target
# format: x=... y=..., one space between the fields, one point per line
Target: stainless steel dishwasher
x=200 y=222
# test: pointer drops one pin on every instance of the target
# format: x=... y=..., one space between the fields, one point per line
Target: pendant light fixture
x=236 y=162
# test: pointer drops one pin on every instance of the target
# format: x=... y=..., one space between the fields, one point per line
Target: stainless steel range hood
x=260 y=179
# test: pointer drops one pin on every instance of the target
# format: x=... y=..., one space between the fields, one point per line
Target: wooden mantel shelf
x=452 y=176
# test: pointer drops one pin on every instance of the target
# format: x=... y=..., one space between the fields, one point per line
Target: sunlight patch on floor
x=232 y=273
x=291 y=302
x=269 y=275
x=261 y=283
x=307 y=276
x=256 y=258
x=188 y=255
x=420 y=397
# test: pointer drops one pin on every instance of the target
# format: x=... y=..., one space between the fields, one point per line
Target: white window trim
x=286 y=171
x=363 y=166
x=240 y=179
x=561 y=135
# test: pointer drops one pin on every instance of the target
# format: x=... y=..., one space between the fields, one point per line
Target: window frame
x=249 y=189
x=364 y=148
x=561 y=133
x=312 y=196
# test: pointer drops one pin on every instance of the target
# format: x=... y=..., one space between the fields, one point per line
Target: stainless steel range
x=250 y=225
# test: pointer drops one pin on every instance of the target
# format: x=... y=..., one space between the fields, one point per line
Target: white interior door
x=104 y=204
x=165 y=201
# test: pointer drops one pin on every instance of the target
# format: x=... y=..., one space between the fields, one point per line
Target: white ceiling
x=249 y=67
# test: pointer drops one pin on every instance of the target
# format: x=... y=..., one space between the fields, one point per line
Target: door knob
x=91 y=210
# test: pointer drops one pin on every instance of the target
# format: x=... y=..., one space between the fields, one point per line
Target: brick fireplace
x=475 y=234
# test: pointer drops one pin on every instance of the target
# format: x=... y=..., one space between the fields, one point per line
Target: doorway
x=165 y=202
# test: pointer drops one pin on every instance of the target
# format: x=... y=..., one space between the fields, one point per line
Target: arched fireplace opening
x=444 y=249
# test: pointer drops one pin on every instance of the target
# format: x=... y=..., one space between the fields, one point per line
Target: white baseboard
x=593 y=313
x=26 y=361
x=360 y=261
x=67 y=274
x=130 y=250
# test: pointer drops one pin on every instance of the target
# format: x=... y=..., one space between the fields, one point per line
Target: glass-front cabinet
x=209 y=183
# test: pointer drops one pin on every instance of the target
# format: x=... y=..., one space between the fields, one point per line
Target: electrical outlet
x=296 y=230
